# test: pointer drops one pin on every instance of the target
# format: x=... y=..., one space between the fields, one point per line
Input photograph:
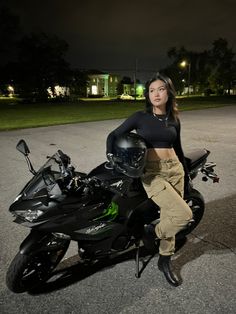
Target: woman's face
x=158 y=94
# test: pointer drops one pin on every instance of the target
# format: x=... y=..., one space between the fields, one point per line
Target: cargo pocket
x=155 y=188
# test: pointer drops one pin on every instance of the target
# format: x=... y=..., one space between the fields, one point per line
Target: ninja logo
x=95 y=228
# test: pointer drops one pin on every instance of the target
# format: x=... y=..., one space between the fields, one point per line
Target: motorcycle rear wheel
x=29 y=271
x=196 y=202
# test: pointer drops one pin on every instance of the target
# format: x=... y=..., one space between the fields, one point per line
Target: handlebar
x=208 y=171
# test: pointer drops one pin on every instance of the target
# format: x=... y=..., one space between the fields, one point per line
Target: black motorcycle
x=104 y=212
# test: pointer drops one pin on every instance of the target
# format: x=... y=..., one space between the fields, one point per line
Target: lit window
x=94 y=90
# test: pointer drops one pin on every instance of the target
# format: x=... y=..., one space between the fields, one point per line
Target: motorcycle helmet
x=130 y=152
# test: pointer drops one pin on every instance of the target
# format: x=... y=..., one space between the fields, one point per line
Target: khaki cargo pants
x=164 y=184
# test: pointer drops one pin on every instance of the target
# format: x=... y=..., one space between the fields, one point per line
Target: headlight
x=61 y=235
x=29 y=214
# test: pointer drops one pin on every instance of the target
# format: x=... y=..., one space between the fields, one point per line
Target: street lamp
x=185 y=64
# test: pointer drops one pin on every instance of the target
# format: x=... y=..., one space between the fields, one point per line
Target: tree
x=126 y=80
x=9 y=34
x=174 y=71
x=78 y=83
x=198 y=61
x=41 y=63
x=222 y=66
x=212 y=69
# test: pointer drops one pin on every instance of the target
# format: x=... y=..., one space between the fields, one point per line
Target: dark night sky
x=110 y=35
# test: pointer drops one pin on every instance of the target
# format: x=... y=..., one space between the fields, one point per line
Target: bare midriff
x=154 y=154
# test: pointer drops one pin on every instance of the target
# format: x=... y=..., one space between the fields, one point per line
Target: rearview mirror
x=23 y=147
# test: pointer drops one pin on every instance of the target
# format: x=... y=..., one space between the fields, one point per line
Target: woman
x=165 y=171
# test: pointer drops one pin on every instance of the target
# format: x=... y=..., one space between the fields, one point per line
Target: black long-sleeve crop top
x=157 y=132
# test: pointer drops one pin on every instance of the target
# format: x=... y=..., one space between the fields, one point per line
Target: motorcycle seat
x=195 y=158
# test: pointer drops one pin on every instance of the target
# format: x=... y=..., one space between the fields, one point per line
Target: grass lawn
x=16 y=115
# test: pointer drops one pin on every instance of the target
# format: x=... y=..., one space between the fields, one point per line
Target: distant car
x=125 y=97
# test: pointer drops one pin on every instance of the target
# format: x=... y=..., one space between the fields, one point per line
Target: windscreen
x=46 y=178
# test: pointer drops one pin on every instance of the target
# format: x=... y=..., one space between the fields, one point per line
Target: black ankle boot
x=164 y=265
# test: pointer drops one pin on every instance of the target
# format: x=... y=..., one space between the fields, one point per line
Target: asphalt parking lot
x=206 y=263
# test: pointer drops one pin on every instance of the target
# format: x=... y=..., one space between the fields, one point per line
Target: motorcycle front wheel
x=29 y=271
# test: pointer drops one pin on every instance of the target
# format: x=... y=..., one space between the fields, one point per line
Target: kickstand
x=137 y=273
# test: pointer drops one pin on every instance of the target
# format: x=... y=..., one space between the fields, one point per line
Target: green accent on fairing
x=111 y=212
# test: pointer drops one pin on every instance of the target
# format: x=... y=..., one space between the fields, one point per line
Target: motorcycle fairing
x=38 y=242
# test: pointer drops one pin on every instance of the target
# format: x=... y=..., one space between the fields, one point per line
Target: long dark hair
x=171 y=105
